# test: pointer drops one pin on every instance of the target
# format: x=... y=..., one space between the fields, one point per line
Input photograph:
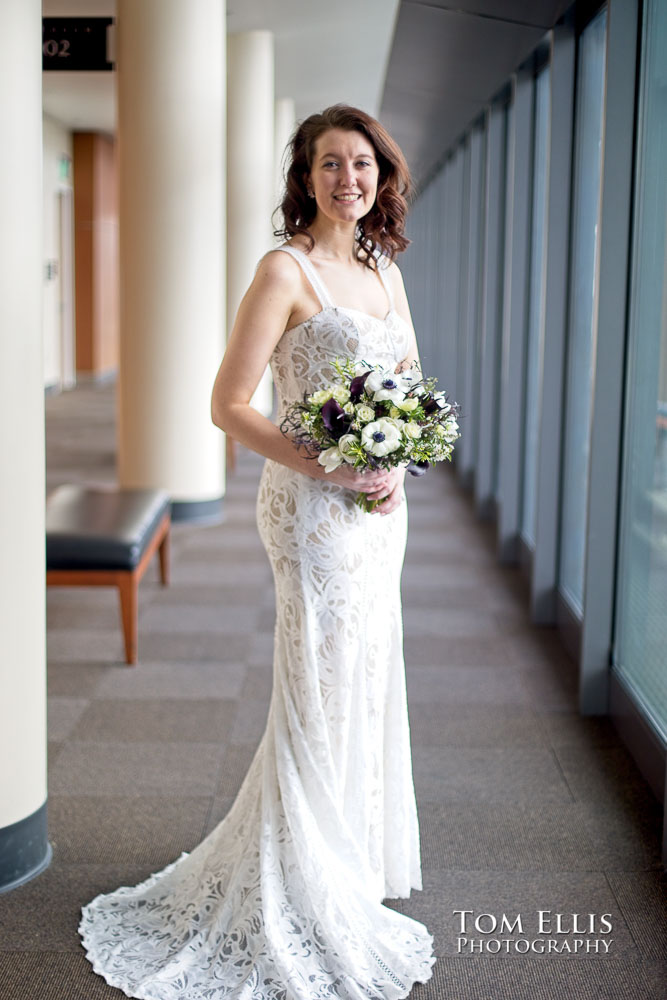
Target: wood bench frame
x=126 y=580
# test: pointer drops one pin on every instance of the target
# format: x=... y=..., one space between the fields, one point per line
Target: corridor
x=524 y=805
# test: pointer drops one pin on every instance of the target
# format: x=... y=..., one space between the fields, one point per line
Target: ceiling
x=325 y=52
x=425 y=67
x=448 y=60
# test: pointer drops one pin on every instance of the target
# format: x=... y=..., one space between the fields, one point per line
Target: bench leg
x=163 y=553
x=128 y=590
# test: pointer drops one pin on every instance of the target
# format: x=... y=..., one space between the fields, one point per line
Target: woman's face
x=344 y=175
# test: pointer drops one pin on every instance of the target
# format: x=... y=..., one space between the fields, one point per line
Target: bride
x=284 y=898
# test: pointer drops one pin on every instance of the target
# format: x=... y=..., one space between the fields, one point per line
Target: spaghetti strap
x=310 y=272
x=382 y=265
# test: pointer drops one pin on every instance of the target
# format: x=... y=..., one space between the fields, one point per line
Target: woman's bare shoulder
x=393 y=272
x=278 y=265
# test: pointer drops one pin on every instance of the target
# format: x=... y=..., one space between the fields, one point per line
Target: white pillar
x=250 y=170
x=24 y=848
x=285 y=120
x=171 y=108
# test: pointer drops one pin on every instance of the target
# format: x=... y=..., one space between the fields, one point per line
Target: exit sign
x=76 y=43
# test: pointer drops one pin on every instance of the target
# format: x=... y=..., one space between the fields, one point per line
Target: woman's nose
x=348 y=174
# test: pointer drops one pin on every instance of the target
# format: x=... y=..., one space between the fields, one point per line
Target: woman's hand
x=392 y=490
x=376 y=485
x=359 y=480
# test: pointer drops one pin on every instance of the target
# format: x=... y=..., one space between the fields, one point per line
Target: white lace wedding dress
x=283 y=900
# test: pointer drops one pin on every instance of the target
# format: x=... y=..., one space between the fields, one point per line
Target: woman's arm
x=262 y=318
x=403 y=309
x=393 y=490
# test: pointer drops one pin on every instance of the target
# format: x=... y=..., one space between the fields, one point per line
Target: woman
x=283 y=900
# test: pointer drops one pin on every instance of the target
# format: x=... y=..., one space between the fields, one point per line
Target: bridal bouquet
x=375 y=418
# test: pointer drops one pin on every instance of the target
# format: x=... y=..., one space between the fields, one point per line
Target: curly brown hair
x=381 y=229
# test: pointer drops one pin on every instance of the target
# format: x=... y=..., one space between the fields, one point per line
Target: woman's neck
x=334 y=241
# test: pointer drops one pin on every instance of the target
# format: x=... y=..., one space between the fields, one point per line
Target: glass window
x=583 y=257
x=501 y=267
x=535 y=303
x=640 y=643
x=506 y=253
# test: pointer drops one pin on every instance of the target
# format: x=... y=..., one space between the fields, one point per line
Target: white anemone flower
x=386 y=384
x=330 y=458
x=381 y=437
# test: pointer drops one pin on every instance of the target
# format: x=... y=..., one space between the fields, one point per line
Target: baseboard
x=24 y=850
x=569 y=627
x=638 y=734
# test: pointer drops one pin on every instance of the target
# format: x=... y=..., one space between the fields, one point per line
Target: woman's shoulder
x=276 y=265
x=385 y=263
x=392 y=271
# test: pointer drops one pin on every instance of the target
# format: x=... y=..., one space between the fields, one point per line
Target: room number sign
x=76 y=43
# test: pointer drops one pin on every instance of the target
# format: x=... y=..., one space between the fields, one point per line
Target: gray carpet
x=524 y=805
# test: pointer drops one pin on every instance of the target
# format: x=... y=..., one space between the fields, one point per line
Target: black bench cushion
x=101 y=529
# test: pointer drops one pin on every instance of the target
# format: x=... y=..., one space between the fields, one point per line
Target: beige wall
x=96 y=242
x=57 y=144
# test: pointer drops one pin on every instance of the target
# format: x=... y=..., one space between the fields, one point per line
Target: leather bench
x=106 y=538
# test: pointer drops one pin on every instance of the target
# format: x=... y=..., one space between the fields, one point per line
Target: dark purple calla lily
x=335 y=418
x=429 y=404
x=418 y=468
x=357 y=386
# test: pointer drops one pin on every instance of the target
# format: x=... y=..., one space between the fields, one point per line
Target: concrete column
x=250 y=170
x=285 y=120
x=24 y=848
x=171 y=108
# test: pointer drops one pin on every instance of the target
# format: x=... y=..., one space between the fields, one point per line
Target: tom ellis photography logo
x=543 y=932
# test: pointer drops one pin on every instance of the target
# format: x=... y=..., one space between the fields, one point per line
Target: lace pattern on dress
x=283 y=899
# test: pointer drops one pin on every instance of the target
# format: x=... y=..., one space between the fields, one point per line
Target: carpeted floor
x=524 y=806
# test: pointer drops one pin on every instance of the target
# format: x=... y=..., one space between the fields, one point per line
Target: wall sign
x=76 y=43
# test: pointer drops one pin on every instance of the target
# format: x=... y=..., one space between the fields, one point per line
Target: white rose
x=330 y=458
x=381 y=437
x=408 y=405
x=365 y=413
x=320 y=397
x=344 y=446
x=341 y=394
x=412 y=430
x=349 y=409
